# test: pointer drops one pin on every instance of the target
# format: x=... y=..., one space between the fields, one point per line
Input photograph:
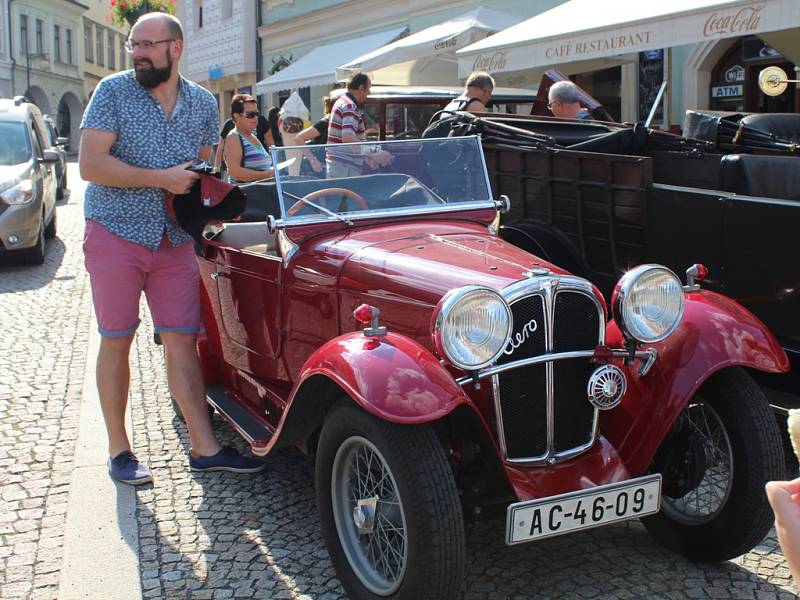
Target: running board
x=240 y=418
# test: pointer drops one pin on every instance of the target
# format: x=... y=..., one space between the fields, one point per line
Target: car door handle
x=215 y=275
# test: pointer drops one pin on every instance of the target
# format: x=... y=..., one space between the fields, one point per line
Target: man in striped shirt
x=346 y=125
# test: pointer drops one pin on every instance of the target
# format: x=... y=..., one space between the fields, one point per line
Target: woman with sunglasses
x=246 y=157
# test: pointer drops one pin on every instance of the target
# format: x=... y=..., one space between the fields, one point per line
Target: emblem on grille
x=519 y=338
x=606 y=387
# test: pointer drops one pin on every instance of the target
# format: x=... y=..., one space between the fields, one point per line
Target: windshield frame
x=352 y=217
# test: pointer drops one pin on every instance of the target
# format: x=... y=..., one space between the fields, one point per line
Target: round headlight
x=472 y=327
x=648 y=303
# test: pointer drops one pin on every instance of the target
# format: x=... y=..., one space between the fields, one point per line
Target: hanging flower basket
x=125 y=12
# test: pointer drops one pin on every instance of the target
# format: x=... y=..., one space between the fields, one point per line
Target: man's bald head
x=170 y=24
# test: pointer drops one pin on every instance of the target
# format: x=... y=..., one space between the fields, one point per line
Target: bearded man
x=140 y=131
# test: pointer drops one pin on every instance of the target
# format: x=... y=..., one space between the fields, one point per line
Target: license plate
x=555 y=515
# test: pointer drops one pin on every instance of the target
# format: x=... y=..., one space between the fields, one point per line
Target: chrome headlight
x=22 y=193
x=648 y=303
x=472 y=326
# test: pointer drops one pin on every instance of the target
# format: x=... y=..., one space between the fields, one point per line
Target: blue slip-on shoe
x=226 y=459
x=126 y=468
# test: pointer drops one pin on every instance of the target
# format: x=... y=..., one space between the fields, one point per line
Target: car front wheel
x=721 y=452
x=390 y=511
x=35 y=254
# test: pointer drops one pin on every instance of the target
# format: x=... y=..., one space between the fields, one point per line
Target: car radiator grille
x=543 y=408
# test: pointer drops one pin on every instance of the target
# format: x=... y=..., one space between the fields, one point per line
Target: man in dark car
x=564 y=101
x=477 y=92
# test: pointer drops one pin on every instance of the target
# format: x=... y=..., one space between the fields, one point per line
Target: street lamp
x=28 y=58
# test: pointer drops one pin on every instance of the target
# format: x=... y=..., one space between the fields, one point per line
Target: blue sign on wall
x=214 y=73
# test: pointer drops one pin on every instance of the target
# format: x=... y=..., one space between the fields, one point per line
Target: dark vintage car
x=599 y=198
x=402 y=112
x=435 y=370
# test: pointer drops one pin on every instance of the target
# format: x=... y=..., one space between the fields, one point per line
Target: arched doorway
x=69 y=114
x=36 y=95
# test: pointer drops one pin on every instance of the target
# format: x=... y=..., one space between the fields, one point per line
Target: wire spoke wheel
x=722 y=449
x=702 y=503
x=369 y=515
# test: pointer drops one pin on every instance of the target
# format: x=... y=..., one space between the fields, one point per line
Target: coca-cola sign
x=490 y=62
x=744 y=20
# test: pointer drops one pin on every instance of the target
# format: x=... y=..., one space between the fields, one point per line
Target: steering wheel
x=295 y=208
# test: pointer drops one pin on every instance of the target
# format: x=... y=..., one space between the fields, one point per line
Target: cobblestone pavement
x=217 y=535
x=44 y=319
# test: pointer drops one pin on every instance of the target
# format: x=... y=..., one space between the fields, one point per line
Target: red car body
x=294 y=323
x=282 y=348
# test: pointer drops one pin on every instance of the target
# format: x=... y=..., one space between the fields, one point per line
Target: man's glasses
x=130 y=45
x=550 y=105
x=251 y=113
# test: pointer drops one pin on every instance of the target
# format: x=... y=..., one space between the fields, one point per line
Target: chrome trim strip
x=287 y=247
x=647 y=358
x=549 y=286
x=433 y=210
x=485 y=168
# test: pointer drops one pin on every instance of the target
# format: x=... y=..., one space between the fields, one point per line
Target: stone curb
x=101 y=538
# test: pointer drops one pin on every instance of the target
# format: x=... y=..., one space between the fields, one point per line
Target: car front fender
x=391 y=376
x=715 y=333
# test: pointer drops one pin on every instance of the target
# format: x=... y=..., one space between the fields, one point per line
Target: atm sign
x=727 y=91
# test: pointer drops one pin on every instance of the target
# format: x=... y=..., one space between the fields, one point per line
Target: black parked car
x=59 y=144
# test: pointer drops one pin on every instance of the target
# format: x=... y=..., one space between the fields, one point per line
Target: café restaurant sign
x=566 y=34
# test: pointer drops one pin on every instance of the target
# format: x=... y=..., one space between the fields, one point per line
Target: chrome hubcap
x=369 y=516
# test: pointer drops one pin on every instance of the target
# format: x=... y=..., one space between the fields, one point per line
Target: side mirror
x=62 y=141
x=50 y=156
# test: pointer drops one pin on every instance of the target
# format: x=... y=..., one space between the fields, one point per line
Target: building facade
x=221 y=50
x=103 y=45
x=5 y=52
x=714 y=74
x=46 y=60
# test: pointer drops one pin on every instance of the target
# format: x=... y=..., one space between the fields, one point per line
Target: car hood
x=413 y=262
x=10 y=174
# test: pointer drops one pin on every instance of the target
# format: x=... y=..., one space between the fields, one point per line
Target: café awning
x=428 y=56
x=584 y=35
x=318 y=67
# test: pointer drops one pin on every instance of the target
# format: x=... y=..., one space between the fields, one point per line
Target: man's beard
x=152 y=77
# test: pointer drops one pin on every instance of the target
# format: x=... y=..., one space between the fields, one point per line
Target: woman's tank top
x=253 y=157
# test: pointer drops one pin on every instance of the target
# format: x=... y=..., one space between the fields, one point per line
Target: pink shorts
x=120 y=270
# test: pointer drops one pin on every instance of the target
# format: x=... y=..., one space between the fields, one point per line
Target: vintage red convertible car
x=376 y=319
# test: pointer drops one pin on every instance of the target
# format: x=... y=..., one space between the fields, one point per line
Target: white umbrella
x=428 y=56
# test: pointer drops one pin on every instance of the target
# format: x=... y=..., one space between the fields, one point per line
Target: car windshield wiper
x=321 y=209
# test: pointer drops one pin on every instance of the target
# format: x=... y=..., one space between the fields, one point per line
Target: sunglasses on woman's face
x=250 y=114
